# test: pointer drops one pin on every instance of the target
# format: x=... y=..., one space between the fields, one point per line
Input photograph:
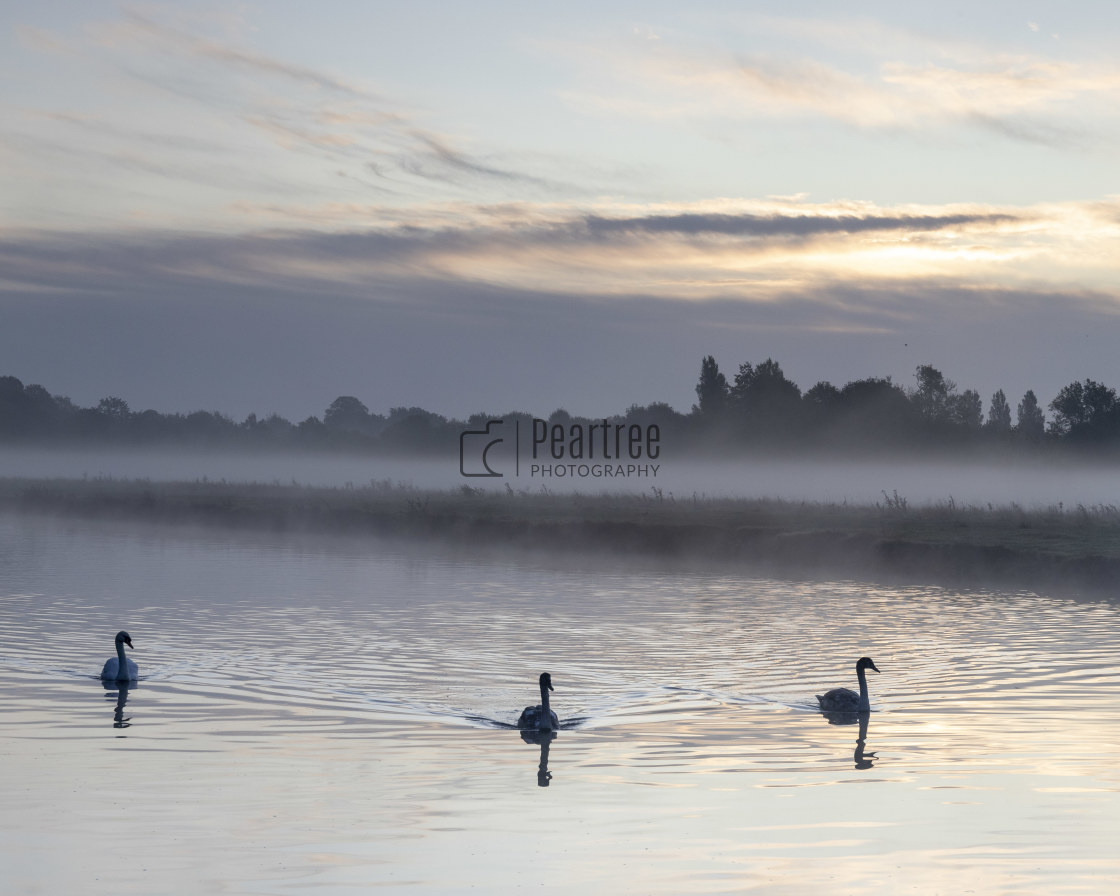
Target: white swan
x=846 y=700
x=540 y=717
x=119 y=667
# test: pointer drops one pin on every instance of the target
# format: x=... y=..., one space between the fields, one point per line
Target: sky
x=495 y=206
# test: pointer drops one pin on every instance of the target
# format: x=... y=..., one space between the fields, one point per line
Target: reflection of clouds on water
x=119 y=689
x=861 y=757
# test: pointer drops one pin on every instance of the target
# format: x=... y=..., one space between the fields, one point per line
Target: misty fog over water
x=1026 y=482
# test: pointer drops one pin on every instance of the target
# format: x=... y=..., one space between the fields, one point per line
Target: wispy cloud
x=138 y=27
x=863 y=74
x=184 y=75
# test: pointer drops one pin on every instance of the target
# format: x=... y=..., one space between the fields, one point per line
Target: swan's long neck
x=864 y=697
x=546 y=715
x=122 y=663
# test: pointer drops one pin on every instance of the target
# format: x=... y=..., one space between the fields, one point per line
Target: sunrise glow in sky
x=496 y=206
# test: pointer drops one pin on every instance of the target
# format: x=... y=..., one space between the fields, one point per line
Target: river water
x=333 y=716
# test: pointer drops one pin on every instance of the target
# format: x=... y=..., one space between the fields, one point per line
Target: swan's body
x=120 y=667
x=845 y=699
x=540 y=717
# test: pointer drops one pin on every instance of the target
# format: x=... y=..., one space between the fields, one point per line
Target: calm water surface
x=332 y=716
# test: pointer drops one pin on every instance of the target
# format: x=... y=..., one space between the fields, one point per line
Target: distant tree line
x=31 y=414
x=761 y=405
x=760 y=408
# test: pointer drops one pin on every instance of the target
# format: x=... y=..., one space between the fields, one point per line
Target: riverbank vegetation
x=1070 y=549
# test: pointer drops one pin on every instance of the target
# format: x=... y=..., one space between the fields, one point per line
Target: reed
x=1071 y=548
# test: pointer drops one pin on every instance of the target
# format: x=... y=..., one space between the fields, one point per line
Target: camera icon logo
x=474 y=448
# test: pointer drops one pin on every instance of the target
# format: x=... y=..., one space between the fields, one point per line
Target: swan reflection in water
x=120 y=689
x=862 y=758
x=544 y=738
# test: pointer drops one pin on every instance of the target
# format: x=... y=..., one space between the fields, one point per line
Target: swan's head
x=546 y=681
x=124 y=638
x=865 y=662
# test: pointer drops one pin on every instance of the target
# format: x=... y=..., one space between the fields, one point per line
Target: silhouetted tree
x=12 y=407
x=414 y=429
x=764 y=401
x=822 y=395
x=151 y=426
x=874 y=411
x=1086 y=412
x=712 y=390
x=670 y=421
x=1031 y=424
x=275 y=426
x=114 y=408
x=822 y=404
x=934 y=395
x=311 y=433
x=11 y=388
x=28 y=411
x=347 y=413
x=43 y=413
x=211 y=427
x=999 y=413
x=967 y=410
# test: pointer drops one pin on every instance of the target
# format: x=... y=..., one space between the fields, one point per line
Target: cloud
x=455 y=162
x=998 y=93
x=863 y=74
x=313 y=131
x=146 y=29
x=751 y=252
x=698 y=224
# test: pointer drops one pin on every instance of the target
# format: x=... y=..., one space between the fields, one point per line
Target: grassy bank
x=1056 y=548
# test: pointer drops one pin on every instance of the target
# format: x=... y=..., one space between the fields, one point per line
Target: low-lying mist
x=1026 y=482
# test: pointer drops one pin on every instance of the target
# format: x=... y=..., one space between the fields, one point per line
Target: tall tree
x=967 y=409
x=999 y=413
x=934 y=395
x=712 y=390
x=1031 y=424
